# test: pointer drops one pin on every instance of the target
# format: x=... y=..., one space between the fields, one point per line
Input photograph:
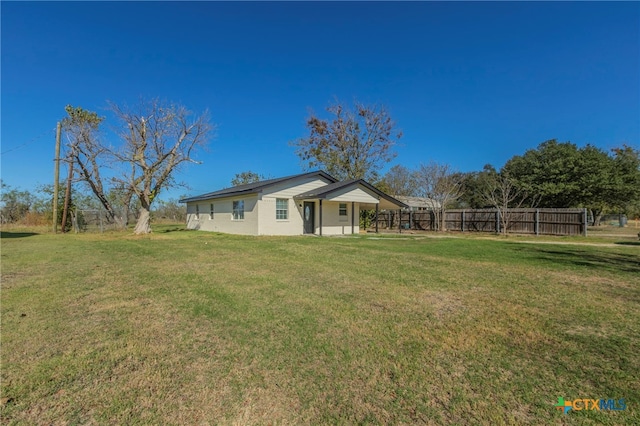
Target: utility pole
x=67 y=194
x=56 y=179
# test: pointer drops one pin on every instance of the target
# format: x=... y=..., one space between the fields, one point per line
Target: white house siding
x=260 y=210
x=333 y=223
x=269 y=225
x=223 y=215
x=292 y=188
x=358 y=194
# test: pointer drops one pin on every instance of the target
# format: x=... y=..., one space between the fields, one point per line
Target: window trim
x=340 y=210
x=281 y=210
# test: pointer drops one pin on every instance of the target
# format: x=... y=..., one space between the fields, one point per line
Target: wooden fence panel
x=520 y=221
x=562 y=222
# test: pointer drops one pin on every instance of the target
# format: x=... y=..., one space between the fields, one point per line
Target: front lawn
x=187 y=327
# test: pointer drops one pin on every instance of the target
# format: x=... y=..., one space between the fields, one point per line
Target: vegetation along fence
x=517 y=221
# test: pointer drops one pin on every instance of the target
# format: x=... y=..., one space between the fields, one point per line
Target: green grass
x=188 y=327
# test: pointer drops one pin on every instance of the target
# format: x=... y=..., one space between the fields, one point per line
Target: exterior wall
x=358 y=194
x=269 y=225
x=294 y=225
x=260 y=211
x=293 y=188
x=222 y=220
x=333 y=223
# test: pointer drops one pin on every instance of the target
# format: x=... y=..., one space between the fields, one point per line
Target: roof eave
x=258 y=188
x=216 y=196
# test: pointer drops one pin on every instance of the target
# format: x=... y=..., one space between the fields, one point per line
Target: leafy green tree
x=563 y=175
x=551 y=172
x=596 y=179
x=354 y=144
x=474 y=185
x=14 y=203
x=78 y=201
x=246 y=177
x=625 y=190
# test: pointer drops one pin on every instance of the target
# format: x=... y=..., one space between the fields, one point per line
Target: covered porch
x=335 y=209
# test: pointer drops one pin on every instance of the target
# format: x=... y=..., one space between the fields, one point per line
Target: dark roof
x=251 y=188
x=323 y=191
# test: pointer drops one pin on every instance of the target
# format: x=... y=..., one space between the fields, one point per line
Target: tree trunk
x=143 y=225
x=67 y=198
x=124 y=219
x=120 y=222
x=504 y=220
x=597 y=216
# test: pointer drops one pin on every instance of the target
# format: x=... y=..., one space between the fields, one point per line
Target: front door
x=308 y=209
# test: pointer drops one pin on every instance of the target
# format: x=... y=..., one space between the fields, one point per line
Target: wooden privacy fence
x=519 y=221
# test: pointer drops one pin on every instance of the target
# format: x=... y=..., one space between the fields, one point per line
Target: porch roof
x=327 y=192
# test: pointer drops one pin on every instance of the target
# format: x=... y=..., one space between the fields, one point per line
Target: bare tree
x=90 y=155
x=400 y=180
x=442 y=186
x=355 y=144
x=158 y=139
x=504 y=194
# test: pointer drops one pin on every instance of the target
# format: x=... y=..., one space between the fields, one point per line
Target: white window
x=238 y=210
x=211 y=211
x=282 y=209
x=343 y=209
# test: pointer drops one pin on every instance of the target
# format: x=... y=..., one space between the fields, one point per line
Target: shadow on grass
x=177 y=229
x=628 y=243
x=586 y=258
x=4 y=234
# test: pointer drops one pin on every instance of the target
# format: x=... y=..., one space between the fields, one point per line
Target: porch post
x=320 y=225
x=353 y=209
x=376 y=218
x=399 y=221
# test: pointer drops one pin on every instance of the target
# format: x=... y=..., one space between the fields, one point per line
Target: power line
x=29 y=142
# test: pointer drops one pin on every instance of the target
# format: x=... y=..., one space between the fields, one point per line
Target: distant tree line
x=34 y=208
x=357 y=142
x=553 y=175
x=352 y=142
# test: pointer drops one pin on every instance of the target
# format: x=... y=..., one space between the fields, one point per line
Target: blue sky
x=468 y=83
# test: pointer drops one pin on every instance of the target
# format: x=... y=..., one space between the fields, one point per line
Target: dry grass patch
x=198 y=328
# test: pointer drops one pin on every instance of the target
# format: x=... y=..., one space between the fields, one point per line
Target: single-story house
x=418 y=203
x=308 y=203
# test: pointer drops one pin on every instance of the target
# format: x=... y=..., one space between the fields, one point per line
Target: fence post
x=498 y=221
x=377 y=211
x=462 y=224
x=584 y=222
x=536 y=226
